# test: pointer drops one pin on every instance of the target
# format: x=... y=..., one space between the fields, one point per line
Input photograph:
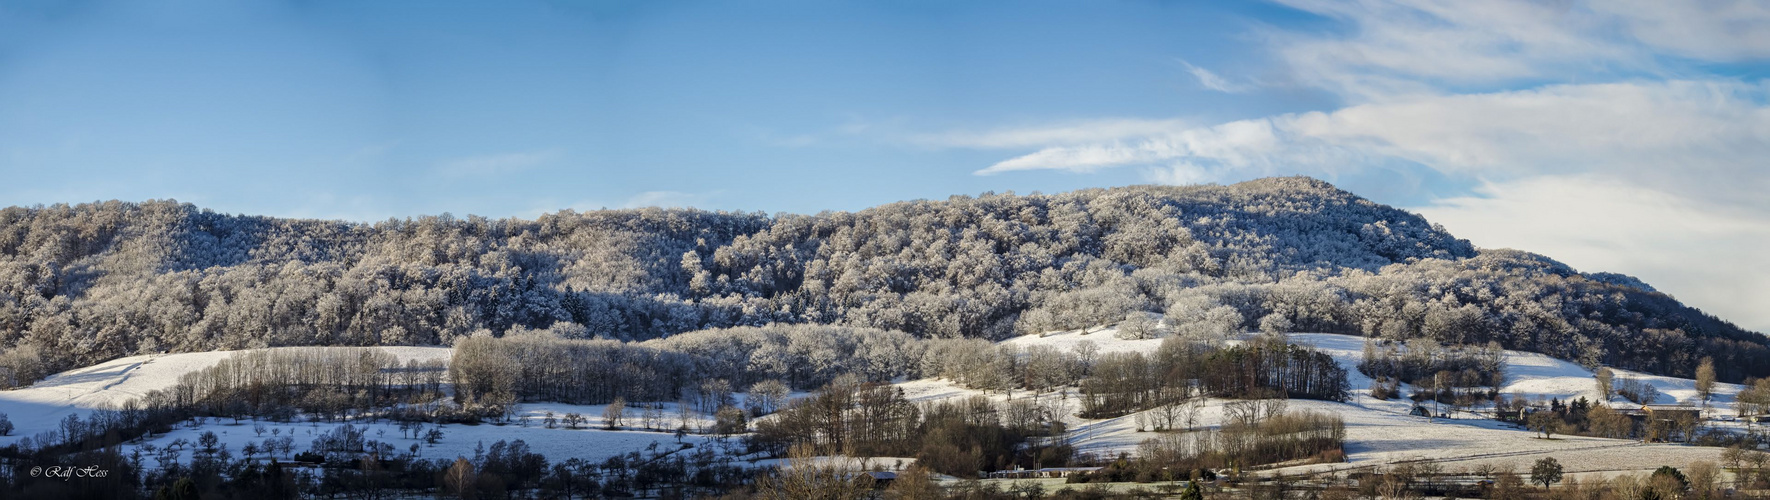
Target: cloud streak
x=1212 y=81
x=664 y=199
x=1075 y=133
x=1679 y=133
x=497 y=164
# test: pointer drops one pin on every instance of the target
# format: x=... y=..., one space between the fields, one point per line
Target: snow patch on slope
x=43 y=405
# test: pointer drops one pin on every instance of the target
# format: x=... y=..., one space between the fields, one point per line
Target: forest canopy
x=84 y=283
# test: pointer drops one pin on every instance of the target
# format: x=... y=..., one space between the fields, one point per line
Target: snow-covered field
x=1378 y=432
x=43 y=405
x=1381 y=432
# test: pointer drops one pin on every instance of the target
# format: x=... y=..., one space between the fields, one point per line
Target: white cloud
x=664 y=199
x=1181 y=173
x=1715 y=30
x=497 y=164
x=1082 y=132
x=1393 y=48
x=1693 y=137
x=1214 y=82
x=1706 y=254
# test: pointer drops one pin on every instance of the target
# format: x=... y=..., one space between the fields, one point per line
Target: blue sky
x=1625 y=135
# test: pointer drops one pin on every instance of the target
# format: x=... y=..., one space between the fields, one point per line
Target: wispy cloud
x=1396 y=48
x=664 y=199
x=1694 y=136
x=1227 y=142
x=1078 y=132
x=1715 y=30
x=1404 y=47
x=1212 y=81
x=497 y=164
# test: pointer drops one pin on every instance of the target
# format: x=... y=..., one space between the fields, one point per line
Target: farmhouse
x=1048 y=472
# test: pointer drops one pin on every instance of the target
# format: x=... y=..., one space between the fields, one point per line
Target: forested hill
x=85 y=283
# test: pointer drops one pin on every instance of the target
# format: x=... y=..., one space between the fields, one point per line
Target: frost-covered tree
x=613 y=413
x=1603 y=377
x=1139 y=325
x=766 y=396
x=1705 y=379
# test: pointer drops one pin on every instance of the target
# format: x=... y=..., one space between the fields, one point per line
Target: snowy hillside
x=1380 y=432
x=43 y=405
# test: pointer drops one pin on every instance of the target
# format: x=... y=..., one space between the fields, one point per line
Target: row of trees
x=317 y=381
x=1422 y=362
x=1587 y=418
x=1754 y=399
x=1180 y=369
x=492 y=372
x=1243 y=442
x=957 y=437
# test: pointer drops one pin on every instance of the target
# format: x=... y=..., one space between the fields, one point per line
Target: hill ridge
x=84 y=283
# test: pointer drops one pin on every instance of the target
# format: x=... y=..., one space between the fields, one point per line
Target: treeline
x=86 y=283
x=319 y=382
x=1460 y=375
x=1242 y=442
x=1754 y=399
x=1586 y=418
x=957 y=437
x=490 y=373
x=1420 y=361
x=276 y=384
x=1181 y=369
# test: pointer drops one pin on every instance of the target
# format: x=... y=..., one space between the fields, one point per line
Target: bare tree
x=1603 y=377
x=611 y=415
x=805 y=477
x=1245 y=411
x=459 y=479
x=1705 y=379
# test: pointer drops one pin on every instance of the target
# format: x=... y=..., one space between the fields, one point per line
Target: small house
x=1048 y=472
x=881 y=479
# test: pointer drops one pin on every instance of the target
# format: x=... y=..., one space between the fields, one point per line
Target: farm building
x=1048 y=472
x=1671 y=412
